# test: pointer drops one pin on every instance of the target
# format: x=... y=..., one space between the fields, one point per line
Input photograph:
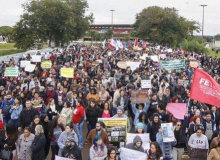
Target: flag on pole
x=103 y=44
x=205 y=89
x=145 y=44
x=136 y=42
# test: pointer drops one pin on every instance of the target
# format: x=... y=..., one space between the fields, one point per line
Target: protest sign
x=177 y=109
x=30 y=68
x=133 y=65
x=139 y=96
x=122 y=65
x=184 y=82
x=169 y=50
x=143 y=58
x=200 y=154
x=168 y=132
x=67 y=72
x=144 y=137
x=116 y=129
x=129 y=154
x=154 y=58
x=23 y=64
x=145 y=83
x=145 y=55
x=61 y=158
x=174 y=64
x=11 y=71
x=46 y=64
x=193 y=64
x=36 y=58
x=162 y=56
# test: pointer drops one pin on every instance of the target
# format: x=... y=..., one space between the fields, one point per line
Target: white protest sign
x=36 y=58
x=145 y=55
x=145 y=83
x=154 y=58
x=169 y=50
x=129 y=154
x=61 y=158
x=168 y=132
x=133 y=65
x=144 y=137
x=24 y=63
x=30 y=68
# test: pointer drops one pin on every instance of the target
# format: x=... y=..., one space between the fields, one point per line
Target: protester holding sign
x=154 y=153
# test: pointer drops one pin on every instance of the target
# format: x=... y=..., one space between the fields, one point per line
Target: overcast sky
x=10 y=11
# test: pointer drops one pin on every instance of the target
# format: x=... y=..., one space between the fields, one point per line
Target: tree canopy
x=163 y=26
x=55 y=20
x=194 y=46
x=6 y=31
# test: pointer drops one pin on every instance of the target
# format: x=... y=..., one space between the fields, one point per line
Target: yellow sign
x=135 y=48
x=46 y=64
x=67 y=72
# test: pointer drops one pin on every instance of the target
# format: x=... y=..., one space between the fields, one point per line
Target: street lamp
x=203 y=5
x=112 y=10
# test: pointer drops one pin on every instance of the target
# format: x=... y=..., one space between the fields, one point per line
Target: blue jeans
x=79 y=131
x=90 y=127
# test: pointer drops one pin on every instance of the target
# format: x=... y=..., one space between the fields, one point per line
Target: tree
x=55 y=20
x=92 y=35
x=163 y=26
x=6 y=31
x=108 y=34
x=194 y=46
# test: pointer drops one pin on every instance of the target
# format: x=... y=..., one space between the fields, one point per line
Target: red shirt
x=78 y=113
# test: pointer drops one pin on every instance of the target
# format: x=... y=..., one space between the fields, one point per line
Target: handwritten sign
x=177 y=109
x=11 y=72
x=23 y=64
x=36 y=58
x=46 y=64
x=67 y=72
x=129 y=154
x=139 y=96
x=145 y=83
x=30 y=68
x=122 y=65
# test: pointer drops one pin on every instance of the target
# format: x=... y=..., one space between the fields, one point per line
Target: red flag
x=205 y=89
x=136 y=43
x=145 y=44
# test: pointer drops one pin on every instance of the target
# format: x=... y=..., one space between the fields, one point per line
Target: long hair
x=11 y=132
x=54 y=124
x=158 y=151
x=109 y=152
x=48 y=105
x=38 y=130
x=96 y=138
x=140 y=117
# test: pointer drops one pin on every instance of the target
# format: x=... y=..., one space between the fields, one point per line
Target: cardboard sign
x=36 y=58
x=30 y=68
x=130 y=154
x=144 y=137
x=23 y=64
x=145 y=83
x=11 y=72
x=194 y=64
x=67 y=72
x=46 y=64
x=139 y=96
x=177 y=109
x=122 y=65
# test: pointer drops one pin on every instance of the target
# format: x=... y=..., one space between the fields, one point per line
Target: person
x=154 y=127
x=71 y=150
x=103 y=94
x=154 y=153
x=93 y=95
x=215 y=141
x=67 y=111
x=106 y=112
x=50 y=93
x=15 y=111
x=166 y=147
x=196 y=122
x=44 y=121
x=139 y=128
x=55 y=130
x=24 y=144
x=143 y=119
x=35 y=122
x=38 y=144
x=92 y=114
x=111 y=155
x=123 y=101
x=120 y=114
x=98 y=151
x=26 y=116
x=215 y=153
x=198 y=140
x=138 y=109
x=52 y=109
x=69 y=131
x=78 y=120
x=37 y=102
x=136 y=144
x=8 y=138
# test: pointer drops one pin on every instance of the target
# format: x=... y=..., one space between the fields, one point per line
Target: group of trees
x=6 y=31
x=55 y=20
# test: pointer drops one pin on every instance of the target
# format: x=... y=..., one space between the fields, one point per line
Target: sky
x=125 y=11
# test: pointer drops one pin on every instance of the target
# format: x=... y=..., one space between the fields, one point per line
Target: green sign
x=174 y=64
x=11 y=72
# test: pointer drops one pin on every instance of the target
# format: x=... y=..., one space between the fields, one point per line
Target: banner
x=46 y=64
x=36 y=58
x=61 y=158
x=67 y=72
x=11 y=72
x=23 y=64
x=175 y=64
x=139 y=96
x=30 y=68
x=133 y=65
x=116 y=129
x=177 y=109
x=130 y=154
x=168 y=132
x=145 y=83
x=122 y=65
x=144 y=137
x=205 y=89
x=200 y=154
x=154 y=58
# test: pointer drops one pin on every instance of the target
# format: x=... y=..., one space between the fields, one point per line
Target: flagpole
x=112 y=10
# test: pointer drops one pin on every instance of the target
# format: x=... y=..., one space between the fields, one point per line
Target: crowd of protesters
x=43 y=111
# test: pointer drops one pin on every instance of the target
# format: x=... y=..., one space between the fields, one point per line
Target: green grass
x=7 y=46
x=10 y=51
x=212 y=53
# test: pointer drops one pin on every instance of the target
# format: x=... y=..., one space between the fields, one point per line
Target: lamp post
x=112 y=10
x=203 y=13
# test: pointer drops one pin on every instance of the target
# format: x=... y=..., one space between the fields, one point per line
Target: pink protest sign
x=163 y=56
x=177 y=109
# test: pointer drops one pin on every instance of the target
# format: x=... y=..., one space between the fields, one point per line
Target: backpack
x=6 y=109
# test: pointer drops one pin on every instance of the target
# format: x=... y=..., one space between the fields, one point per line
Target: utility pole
x=112 y=10
x=203 y=13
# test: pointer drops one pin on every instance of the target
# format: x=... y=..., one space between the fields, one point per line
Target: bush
x=194 y=46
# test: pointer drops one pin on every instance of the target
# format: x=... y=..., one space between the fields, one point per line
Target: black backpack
x=6 y=110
